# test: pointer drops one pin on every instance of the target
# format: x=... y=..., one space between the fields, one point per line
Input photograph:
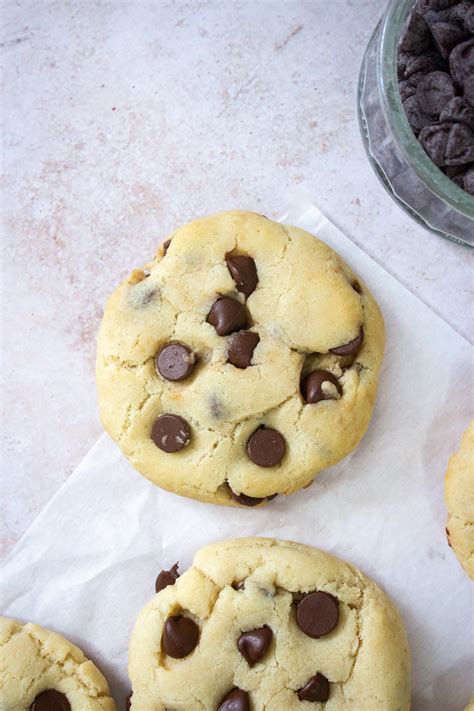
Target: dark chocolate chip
x=227 y=315
x=317 y=614
x=460 y=145
x=434 y=91
x=254 y=644
x=402 y=59
x=311 y=387
x=316 y=689
x=180 y=636
x=236 y=700
x=239 y=586
x=419 y=65
x=415 y=35
x=51 y=701
x=469 y=90
x=468 y=19
x=249 y=500
x=434 y=140
x=456 y=173
x=175 y=361
x=351 y=347
x=244 y=273
x=241 y=347
x=266 y=447
x=170 y=433
x=166 y=577
x=406 y=90
x=128 y=701
x=425 y=5
x=458 y=111
x=446 y=36
x=166 y=245
x=415 y=116
x=469 y=181
x=461 y=61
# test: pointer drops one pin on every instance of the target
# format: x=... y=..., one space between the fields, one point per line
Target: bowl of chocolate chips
x=416 y=111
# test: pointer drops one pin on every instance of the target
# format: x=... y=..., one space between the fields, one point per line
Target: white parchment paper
x=88 y=563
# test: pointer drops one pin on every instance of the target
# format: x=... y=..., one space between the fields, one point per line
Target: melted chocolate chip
x=241 y=347
x=311 y=387
x=166 y=244
x=254 y=644
x=236 y=700
x=175 y=361
x=180 y=636
x=316 y=689
x=166 y=577
x=170 y=433
x=227 y=315
x=350 y=348
x=266 y=447
x=244 y=273
x=317 y=614
x=51 y=701
x=249 y=500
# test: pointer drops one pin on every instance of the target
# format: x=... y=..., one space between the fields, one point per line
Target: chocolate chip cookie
x=268 y=625
x=42 y=671
x=459 y=497
x=240 y=362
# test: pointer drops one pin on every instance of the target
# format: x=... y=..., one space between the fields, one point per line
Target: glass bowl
x=405 y=170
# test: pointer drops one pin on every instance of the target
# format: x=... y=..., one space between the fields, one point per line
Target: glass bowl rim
x=427 y=171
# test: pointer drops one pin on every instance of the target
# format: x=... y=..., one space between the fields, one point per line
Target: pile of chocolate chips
x=435 y=67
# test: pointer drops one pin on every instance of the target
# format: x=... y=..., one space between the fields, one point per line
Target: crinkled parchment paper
x=88 y=563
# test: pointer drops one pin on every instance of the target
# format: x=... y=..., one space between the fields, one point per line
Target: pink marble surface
x=124 y=119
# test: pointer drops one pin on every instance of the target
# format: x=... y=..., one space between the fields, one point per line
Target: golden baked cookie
x=459 y=497
x=42 y=671
x=268 y=625
x=240 y=362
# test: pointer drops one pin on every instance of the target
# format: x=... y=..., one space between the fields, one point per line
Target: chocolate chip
x=311 y=387
x=266 y=447
x=469 y=89
x=316 y=689
x=468 y=19
x=254 y=644
x=170 y=433
x=166 y=244
x=469 y=181
x=434 y=91
x=51 y=701
x=458 y=111
x=227 y=315
x=415 y=116
x=166 y=577
x=241 y=347
x=128 y=701
x=244 y=273
x=460 y=145
x=419 y=65
x=175 y=361
x=406 y=90
x=180 y=636
x=461 y=61
x=402 y=59
x=425 y=5
x=351 y=347
x=415 y=35
x=456 y=173
x=249 y=500
x=317 y=614
x=434 y=140
x=446 y=36
x=239 y=586
x=236 y=700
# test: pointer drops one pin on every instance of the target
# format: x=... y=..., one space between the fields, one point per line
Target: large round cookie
x=270 y=625
x=459 y=496
x=240 y=362
x=42 y=671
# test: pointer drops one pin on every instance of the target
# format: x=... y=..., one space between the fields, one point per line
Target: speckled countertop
x=123 y=119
